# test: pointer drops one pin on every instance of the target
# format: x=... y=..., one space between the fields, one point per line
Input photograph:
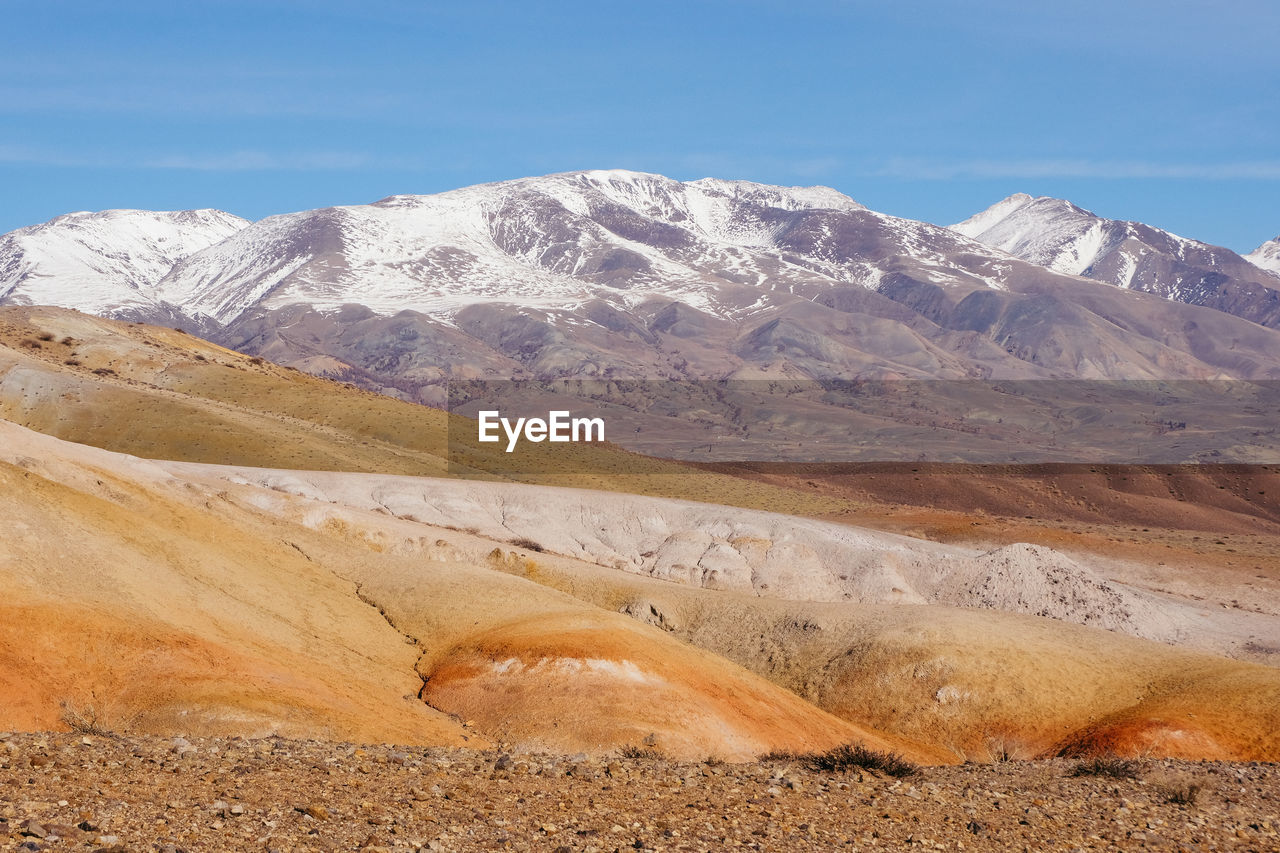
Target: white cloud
x=247 y=161
x=943 y=170
x=234 y=161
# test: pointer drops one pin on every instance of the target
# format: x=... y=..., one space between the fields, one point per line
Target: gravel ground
x=88 y=792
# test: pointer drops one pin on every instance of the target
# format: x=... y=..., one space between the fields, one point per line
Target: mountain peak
x=1064 y=237
x=646 y=188
x=984 y=220
x=1267 y=256
x=105 y=261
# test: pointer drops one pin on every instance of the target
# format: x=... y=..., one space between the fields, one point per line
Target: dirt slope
x=163 y=394
x=556 y=653
x=222 y=618
x=779 y=556
x=239 y=603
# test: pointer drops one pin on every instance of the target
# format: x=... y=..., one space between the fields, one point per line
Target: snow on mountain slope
x=1266 y=256
x=617 y=273
x=1051 y=232
x=1059 y=235
x=552 y=242
x=979 y=223
x=107 y=262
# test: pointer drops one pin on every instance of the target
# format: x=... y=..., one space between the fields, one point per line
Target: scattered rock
x=317 y=812
x=449 y=802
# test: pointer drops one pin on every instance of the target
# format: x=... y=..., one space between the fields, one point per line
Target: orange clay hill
x=156 y=596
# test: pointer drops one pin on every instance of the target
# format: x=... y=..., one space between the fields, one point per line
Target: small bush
x=72 y=362
x=45 y=336
x=85 y=720
x=849 y=756
x=1108 y=765
x=104 y=371
x=1002 y=748
x=255 y=360
x=68 y=341
x=199 y=357
x=29 y=344
x=1179 y=791
x=632 y=751
x=527 y=544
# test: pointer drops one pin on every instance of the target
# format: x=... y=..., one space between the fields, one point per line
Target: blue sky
x=1167 y=112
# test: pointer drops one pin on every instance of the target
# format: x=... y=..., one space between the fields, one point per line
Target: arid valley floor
x=68 y=792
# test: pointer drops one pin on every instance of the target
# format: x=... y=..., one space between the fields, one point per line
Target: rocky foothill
x=76 y=791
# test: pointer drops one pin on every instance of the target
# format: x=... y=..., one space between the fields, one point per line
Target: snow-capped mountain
x=1057 y=234
x=554 y=243
x=623 y=273
x=614 y=273
x=1266 y=256
x=108 y=262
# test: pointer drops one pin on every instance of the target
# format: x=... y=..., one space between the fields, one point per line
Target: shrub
x=1112 y=766
x=849 y=756
x=72 y=362
x=45 y=336
x=1179 y=790
x=256 y=360
x=29 y=344
x=85 y=720
x=632 y=751
x=527 y=544
x=1001 y=748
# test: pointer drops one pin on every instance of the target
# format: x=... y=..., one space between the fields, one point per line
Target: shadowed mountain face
x=1058 y=235
x=622 y=274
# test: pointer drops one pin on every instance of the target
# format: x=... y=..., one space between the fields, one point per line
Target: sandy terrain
x=779 y=556
x=431 y=611
x=241 y=603
x=227 y=620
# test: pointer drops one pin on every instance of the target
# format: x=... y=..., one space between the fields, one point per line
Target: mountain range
x=614 y=273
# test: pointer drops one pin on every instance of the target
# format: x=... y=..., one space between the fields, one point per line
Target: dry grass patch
x=1179 y=789
x=848 y=757
x=86 y=719
x=633 y=751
